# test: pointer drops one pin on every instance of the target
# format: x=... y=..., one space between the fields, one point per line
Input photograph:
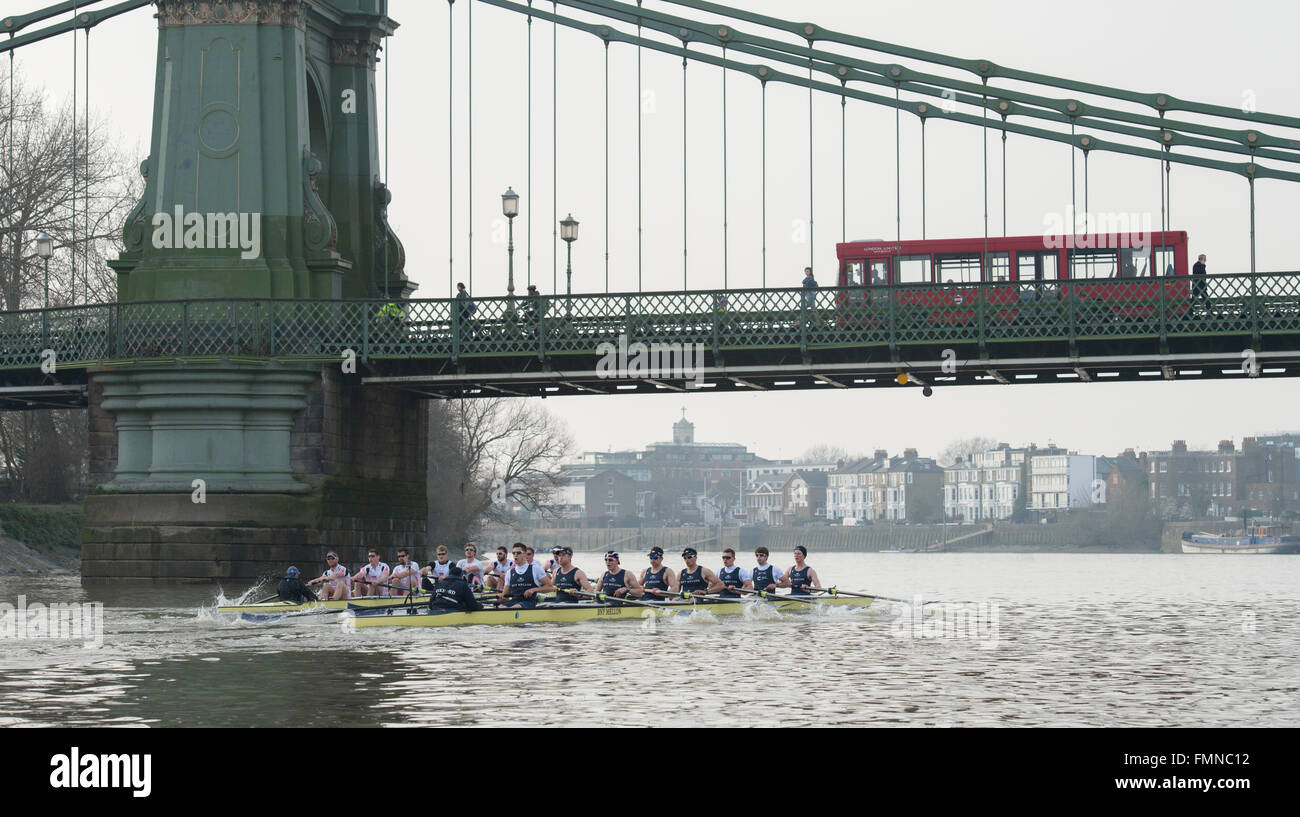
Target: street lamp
x=510 y=209
x=569 y=232
x=45 y=249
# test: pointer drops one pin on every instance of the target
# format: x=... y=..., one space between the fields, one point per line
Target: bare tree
x=964 y=449
x=488 y=456
x=76 y=185
x=826 y=453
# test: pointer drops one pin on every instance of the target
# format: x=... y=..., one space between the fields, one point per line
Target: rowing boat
x=584 y=611
x=281 y=608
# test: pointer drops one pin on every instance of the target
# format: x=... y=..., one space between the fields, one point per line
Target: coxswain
x=524 y=581
x=454 y=593
x=471 y=567
x=292 y=588
x=732 y=576
x=334 y=580
x=568 y=577
x=369 y=580
x=496 y=570
x=405 y=575
x=695 y=578
x=437 y=569
x=617 y=583
x=766 y=577
x=658 y=580
x=801 y=575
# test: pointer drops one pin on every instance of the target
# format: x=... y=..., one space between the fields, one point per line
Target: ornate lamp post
x=510 y=209
x=45 y=249
x=569 y=232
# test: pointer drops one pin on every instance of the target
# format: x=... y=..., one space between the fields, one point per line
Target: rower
x=471 y=567
x=335 y=579
x=568 y=577
x=496 y=571
x=617 y=582
x=373 y=574
x=438 y=568
x=695 y=578
x=405 y=575
x=732 y=576
x=658 y=580
x=292 y=589
x=766 y=576
x=801 y=575
x=524 y=581
x=454 y=593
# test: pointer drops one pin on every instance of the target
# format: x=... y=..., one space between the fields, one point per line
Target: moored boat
x=1258 y=539
x=565 y=613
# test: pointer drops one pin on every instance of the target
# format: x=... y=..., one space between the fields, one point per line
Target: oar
x=764 y=594
x=625 y=599
x=835 y=591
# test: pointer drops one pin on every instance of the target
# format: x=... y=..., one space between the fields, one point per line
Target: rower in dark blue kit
x=523 y=581
x=695 y=578
x=567 y=576
x=617 y=583
x=765 y=576
x=658 y=580
x=801 y=576
x=733 y=576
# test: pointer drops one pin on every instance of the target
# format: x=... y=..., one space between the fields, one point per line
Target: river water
x=1021 y=639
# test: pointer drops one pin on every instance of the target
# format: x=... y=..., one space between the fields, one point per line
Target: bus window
x=1036 y=266
x=999 y=266
x=1164 y=261
x=958 y=269
x=879 y=272
x=1135 y=262
x=853 y=272
x=1086 y=264
x=914 y=269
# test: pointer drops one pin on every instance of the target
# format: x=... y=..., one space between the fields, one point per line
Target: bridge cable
x=1161 y=176
x=1004 y=183
x=1074 y=221
x=555 y=147
x=469 y=140
x=372 y=252
x=85 y=215
x=724 y=169
x=684 y=161
x=1251 y=180
x=451 y=155
x=1085 y=182
x=640 y=117
x=763 y=173
x=529 y=191
x=984 y=115
x=9 y=177
x=812 y=244
x=922 y=178
x=898 y=169
x=1169 y=187
x=72 y=241
x=844 y=156
x=607 y=166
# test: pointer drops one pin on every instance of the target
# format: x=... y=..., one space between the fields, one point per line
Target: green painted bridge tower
x=263 y=182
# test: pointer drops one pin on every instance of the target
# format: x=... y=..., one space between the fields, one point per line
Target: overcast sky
x=1202 y=51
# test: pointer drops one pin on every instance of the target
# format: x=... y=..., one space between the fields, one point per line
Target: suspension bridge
x=250 y=369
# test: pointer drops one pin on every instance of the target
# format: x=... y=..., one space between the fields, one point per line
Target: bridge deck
x=954 y=334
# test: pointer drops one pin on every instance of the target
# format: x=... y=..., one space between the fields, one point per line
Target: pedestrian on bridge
x=809 y=296
x=465 y=309
x=1198 y=282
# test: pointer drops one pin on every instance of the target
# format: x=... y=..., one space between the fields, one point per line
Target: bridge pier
x=293 y=461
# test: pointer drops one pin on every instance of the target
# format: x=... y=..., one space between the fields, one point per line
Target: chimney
x=881 y=455
x=839 y=465
x=1225 y=447
x=1179 y=447
x=909 y=454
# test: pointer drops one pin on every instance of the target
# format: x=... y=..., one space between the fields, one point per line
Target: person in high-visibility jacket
x=391 y=310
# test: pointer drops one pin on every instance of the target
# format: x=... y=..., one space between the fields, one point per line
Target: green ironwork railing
x=894 y=317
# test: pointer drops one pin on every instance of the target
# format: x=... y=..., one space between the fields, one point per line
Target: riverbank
x=40 y=539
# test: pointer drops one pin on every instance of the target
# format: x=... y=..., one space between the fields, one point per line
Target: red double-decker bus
x=951 y=275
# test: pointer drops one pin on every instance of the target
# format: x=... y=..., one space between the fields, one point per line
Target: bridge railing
x=984 y=313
